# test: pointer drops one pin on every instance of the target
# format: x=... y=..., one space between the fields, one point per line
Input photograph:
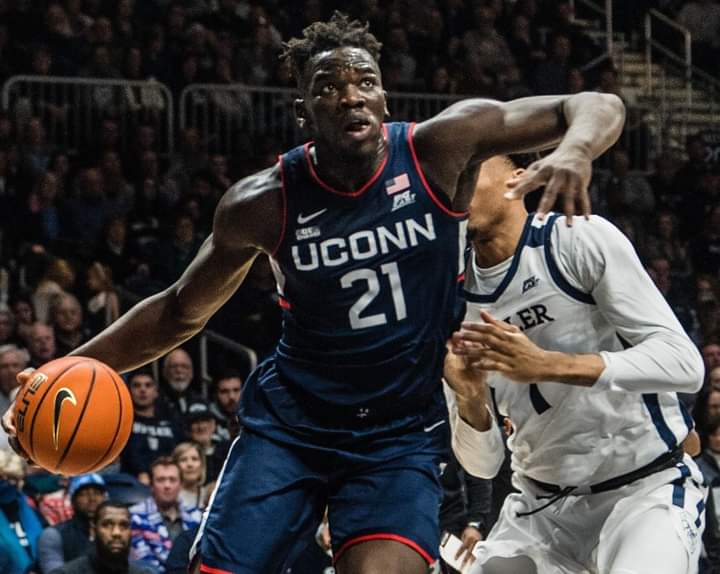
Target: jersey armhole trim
x=283 y=193
x=423 y=179
x=557 y=276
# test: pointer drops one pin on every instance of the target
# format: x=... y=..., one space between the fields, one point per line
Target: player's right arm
x=160 y=323
x=163 y=321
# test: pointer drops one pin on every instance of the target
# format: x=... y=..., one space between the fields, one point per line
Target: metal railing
x=654 y=20
x=72 y=108
x=236 y=116
x=247 y=355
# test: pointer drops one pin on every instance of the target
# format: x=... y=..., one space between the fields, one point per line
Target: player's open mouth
x=358 y=128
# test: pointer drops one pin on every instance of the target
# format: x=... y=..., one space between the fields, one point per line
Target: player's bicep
x=475 y=129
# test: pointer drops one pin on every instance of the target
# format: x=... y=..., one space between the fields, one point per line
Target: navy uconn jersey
x=565 y=434
x=368 y=282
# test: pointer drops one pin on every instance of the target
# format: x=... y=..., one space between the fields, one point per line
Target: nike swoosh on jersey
x=434 y=426
x=64 y=394
x=303 y=219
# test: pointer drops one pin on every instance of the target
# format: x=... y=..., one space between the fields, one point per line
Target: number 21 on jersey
x=374 y=282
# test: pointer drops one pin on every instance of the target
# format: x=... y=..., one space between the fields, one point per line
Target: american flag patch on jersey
x=397 y=184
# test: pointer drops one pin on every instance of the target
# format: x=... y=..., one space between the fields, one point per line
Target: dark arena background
x=122 y=123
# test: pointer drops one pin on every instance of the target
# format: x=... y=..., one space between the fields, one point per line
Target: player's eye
x=367 y=82
x=329 y=88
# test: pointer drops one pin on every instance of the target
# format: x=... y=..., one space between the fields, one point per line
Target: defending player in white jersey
x=585 y=357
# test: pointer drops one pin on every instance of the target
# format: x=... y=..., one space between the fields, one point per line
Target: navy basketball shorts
x=271 y=497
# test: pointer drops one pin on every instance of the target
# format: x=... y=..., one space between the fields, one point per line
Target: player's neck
x=501 y=244
x=344 y=172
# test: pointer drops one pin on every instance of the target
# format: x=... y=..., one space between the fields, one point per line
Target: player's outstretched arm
x=582 y=126
x=162 y=322
x=476 y=439
x=493 y=345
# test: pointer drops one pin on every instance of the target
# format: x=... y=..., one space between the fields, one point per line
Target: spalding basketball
x=73 y=416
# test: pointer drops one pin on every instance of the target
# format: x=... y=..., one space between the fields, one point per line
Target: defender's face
x=344 y=101
x=488 y=203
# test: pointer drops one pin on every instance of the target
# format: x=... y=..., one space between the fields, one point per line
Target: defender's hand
x=498 y=346
x=470 y=537
x=467 y=382
x=561 y=172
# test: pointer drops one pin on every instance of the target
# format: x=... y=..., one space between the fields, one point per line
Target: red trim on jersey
x=461 y=277
x=383 y=536
x=357 y=192
x=284 y=303
x=210 y=570
x=431 y=193
x=284 y=207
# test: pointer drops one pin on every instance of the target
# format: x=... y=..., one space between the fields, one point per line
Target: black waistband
x=666 y=460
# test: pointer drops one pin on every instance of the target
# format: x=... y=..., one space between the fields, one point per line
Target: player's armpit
x=691 y=444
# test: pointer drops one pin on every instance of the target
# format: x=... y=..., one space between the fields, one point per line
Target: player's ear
x=300 y=113
x=518 y=172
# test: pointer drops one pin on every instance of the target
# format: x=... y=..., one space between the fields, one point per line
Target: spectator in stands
x=157 y=521
x=662 y=182
x=202 y=430
x=709 y=459
x=675 y=293
x=116 y=251
x=41 y=221
x=155 y=432
x=41 y=345
x=689 y=174
x=72 y=538
x=146 y=102
x=88 y=213
x=174 y=253
x=524 y=47
x=110 y=553
x=397 y=50
x=707 y=408
x=664 y=241
x=702 y=19
x=54 y=503
x=225 y=404
x=24 y=313
x=195 y=490
x=626 y=193
x=705 y=247
x=58 y=278
x=20 y=526
x=103 y=306
x=713 y=379
x=66 y=316
x=7 y=327
x=550 y=76
x=177 y=380
x=711 y=354
x=118 y=190
x=36 y=151
x=575 y=81
x=12 y=360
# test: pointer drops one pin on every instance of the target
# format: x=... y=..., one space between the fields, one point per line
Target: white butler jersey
x=582 y=289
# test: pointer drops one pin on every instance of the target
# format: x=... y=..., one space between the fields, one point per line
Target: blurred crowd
x=84 y=236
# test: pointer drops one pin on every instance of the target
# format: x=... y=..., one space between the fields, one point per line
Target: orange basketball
x=73 y=416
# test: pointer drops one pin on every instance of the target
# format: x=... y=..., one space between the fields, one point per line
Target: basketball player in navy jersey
x=365 y=228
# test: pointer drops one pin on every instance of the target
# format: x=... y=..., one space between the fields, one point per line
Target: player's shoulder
x=253 y=188
x=594 y=229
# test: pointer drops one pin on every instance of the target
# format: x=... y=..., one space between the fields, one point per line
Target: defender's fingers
x=504 y=325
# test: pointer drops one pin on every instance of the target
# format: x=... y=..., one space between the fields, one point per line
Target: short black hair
x=109 y=504
x=522 y=160
x=318 y=37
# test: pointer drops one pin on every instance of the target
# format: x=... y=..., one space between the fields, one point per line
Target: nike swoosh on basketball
x=64 y=394
x=303 y=219
x=434 y=426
